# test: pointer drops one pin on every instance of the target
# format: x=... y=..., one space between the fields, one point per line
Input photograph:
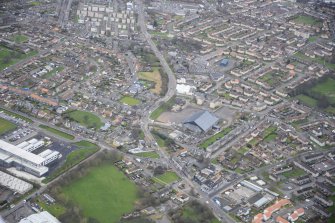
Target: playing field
x=326 y=88
x=311 y=102
x=148 y=155
x=85 y=118
x=20 y=38
x=308 y=20
x=57 y=132
x=9 y=57
x=153 y=76
x=166 y=178
x=130 y=100
x=104 y=194
x=6 y=126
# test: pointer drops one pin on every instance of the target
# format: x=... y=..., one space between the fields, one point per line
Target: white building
x=43 y=217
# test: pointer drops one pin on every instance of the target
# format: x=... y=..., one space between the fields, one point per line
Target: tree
x=159 y=170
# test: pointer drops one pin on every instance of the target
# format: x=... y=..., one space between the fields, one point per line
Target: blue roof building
x=224 y=62
x=201 y=121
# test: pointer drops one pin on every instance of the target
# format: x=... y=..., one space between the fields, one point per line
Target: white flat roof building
x=14 y=184
x=43 y=217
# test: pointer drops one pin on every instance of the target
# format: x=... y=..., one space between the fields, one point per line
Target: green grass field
x=296 y=172
x=194 y=214
x=57 y=132
x=104 y=193
x=9 y=57
x=317 y=60
x=55 y=209
x=86 y=119
x=308 y=20
x=326 y=88
x=6 y=126
x=270 y=137
x=164 y=107
x=166 y=178
x=16 y=115
x=311 y=102
x=130 y=100
x=85 y=149
x=214 y=138
x=20 y=38
x=148 y=155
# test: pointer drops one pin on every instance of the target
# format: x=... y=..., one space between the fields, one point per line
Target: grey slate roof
x=203 y=119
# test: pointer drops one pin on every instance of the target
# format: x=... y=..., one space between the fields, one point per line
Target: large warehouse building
x=201 y=121
x=11 y=155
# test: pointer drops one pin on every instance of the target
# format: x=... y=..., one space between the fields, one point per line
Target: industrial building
x=11 y=155
x=14 y=184
x=43 y=217
x=201 y=121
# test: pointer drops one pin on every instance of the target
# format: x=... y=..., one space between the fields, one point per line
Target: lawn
x=270 y=137
x=318 y=60
x=196 y=213
x=160 y=141
x=326 y=88
x=53 y=72
x=164 y=107
x=153 y=76
x=57 y=132
x=166 y=178
x=104 y=193
x=85 y=149
x=311 y=102
x=16 y=115
x=54 y=209
x=130 y=100
x=86 y=119
x=6 y=126
x=20 y=38
x=296 y=172
x=307 y=20
x=9 y=57
x=214 y=138
x=148 y=155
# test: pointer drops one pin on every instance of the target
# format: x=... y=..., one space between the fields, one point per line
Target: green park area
x=317 y=59
x=55 y=209
x=166 y=178
x=53 y=72
x=320 y=95
x=296 y=172
x=153 y=76
x=20 y=38
x=194 y=212
x=9 y=57
x=214 y=138
x=85 y=149
x=307 y=20
x=162 y=108
x=153 y=155
x=130 y=100
x=84 y=118
x=15 y=115
x=104 y=194
x=6 y=126
x=57 y=132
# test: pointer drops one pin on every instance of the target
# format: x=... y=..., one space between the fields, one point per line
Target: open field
x=153 y=76
x=214 y=138
x=104 y=194
x=164 y=107
x=9 y=57
x=55 y=209
x=311 y=102
x=296 y=172
x=15 y=115
x=6 y=126
x=57 y=132
x=84 y=118
x=148 y=155
x=20 y=38
x=166 y=178
x=317 y=60
x=130 y=100
x=85 y=149
x=307 y=20
x=326 y=88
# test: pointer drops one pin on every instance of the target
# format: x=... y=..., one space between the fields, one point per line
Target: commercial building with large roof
x=11 y=155
x=201 y=121
x=42 y=217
